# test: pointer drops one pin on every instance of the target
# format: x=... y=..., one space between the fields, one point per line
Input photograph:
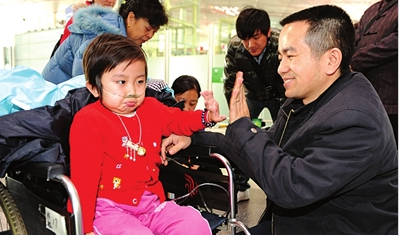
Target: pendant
x=141 y=151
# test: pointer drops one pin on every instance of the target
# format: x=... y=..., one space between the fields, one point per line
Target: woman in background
x=187 y=88
x=137 y=19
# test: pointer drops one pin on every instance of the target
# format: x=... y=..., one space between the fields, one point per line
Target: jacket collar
x=297 y=107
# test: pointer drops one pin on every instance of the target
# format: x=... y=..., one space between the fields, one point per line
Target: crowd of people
x=328 y=164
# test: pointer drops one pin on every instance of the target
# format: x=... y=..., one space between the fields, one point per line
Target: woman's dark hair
x=184 y=83
x=106 y=52
x=152 y=10
x=250 y=20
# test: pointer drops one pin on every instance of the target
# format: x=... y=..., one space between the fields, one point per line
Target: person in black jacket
x=254 y=51
x=329 y=163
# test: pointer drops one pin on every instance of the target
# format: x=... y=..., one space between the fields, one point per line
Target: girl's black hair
x=106 y=52
x=184 y=83
x=250 y=20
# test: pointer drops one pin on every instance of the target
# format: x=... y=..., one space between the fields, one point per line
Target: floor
x=249 y=211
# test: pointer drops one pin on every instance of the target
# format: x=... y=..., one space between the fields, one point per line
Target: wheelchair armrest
x=45 y=170
x=194 y=150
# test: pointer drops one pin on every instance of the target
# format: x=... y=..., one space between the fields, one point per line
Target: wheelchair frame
x=19 y=196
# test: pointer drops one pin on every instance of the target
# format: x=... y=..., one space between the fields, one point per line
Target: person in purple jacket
x=376 y=54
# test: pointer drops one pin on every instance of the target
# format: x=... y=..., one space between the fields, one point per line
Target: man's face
x=302 y=73
x=256 y=43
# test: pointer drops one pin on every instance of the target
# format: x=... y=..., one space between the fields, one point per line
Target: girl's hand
x=213 y=107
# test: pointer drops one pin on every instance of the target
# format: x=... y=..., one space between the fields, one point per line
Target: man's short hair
x=329 y=27
x=250 y=20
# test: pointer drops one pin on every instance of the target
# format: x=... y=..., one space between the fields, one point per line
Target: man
x=254 y=51
x=376 y=54
x=329 y=164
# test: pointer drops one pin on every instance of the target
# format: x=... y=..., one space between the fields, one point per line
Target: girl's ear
x=93 y=90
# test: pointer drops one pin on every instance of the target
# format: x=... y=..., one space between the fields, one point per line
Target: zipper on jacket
x=286 y=124
x=279 y=143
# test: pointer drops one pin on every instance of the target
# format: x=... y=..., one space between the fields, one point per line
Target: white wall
x=33 y=49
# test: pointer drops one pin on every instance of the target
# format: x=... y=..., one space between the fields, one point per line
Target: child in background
x=75 y=7
x=116 y=142
x=187 y=89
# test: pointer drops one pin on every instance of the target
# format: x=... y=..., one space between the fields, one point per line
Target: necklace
x=132 y=148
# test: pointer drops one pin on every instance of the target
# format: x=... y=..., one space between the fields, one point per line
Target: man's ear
x=93 y=90
x=269 y=33
x=334 y=60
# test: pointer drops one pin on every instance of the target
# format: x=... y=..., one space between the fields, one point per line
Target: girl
x=115 y=146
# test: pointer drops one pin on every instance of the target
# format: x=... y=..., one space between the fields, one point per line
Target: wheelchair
x=34 y=195
x=34 y=159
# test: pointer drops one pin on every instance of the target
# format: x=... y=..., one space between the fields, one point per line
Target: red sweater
x=98 y=158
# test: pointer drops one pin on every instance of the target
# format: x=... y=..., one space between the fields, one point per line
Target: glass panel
x=188 y=22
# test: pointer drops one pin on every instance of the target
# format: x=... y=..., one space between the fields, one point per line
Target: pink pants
x=150 y=217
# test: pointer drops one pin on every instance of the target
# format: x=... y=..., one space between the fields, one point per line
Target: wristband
x=205 y=121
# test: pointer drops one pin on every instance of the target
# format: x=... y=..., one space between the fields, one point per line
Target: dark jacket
x=376 y=54
x=42 y=134
x=262 y=82
x=330 y=167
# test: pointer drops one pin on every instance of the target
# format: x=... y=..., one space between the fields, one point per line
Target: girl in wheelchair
x=115 y=146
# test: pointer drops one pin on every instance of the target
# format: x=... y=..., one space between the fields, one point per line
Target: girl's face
x=190 y=98
x=123 y=87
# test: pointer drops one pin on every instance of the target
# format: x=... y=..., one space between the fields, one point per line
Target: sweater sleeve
x=86 y=161
x=177 y=121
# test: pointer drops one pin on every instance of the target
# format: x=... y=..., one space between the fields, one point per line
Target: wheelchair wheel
x=11 y=221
